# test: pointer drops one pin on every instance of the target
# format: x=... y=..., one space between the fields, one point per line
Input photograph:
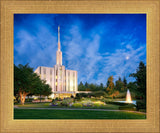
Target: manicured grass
x=74 y=114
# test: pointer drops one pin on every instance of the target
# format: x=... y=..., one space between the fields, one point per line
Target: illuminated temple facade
x=63 y=82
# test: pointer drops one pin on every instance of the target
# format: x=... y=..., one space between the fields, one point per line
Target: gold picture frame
x=10 y=7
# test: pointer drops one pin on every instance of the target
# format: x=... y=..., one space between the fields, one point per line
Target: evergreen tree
x=125 y=82
x=107 y=84
x=86 y=85
x=132 y=86
x=92 y=87
x=119 y=85
x=81 y=84
x=101 y=86
x=119 y=79
x=81 y=87
x=140 y=77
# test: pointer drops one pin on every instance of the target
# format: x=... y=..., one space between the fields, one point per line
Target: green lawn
x=74 y=114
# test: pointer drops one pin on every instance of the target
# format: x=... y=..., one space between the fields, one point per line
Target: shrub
x=121 y=95
x=87 y=103
x=66 y=102
x=56 y=103
x=108 y=97
x=53 y=100
x=29 y=100
x=78 y=96
x=141 y=105
x=56 y=98
x=72 y=96
x=142 y=110
x=109 y=101
x=121 y=104
x=114 y=94
x=42 y=98
x=127 y=108
x=98 y=104
x=130 y=107
x=60 y=99
x=77 y=105
x=91 y=95
x=84 y=94
x=99 y=94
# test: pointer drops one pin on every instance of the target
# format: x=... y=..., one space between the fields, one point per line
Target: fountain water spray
x=128 y=97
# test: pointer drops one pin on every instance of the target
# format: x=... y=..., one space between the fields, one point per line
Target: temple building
x=63 y=82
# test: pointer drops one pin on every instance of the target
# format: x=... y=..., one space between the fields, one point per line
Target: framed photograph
x=101 y=57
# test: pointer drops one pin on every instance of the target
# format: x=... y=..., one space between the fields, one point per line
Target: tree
x=119 y=85
x=110 y=85
x=125 y=82
x=92 y=87
x=119 y=79
x=16 y=82
x=25 y=81
x=30 y=94
x=99 y=93
x=47 y=90
x=22 y=79
x=81 y=87
x=114 y=94
x=132 y=86
x=86 y=85
x=43 y=89
x=81 y=83
x=107 y=84
x=100 y=87
x=16 y=94
x=140 y=77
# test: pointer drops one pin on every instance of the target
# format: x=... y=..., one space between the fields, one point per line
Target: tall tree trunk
x=23 y=97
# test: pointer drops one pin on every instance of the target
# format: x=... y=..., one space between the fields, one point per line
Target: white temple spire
x=59 y=47
x=59 y=53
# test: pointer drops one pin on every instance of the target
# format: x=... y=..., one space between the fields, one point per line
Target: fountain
x=128 y=98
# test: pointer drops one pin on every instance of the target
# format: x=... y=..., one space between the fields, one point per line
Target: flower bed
x=78 y=104
x=65 y=102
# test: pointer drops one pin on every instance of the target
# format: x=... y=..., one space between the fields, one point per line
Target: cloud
x=35 y=49
x=116 y=64
x=82 y=54
x=95 y=52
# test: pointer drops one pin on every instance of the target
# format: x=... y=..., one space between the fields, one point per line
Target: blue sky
x=95 y=45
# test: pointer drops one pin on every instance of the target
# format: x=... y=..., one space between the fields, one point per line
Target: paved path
x=76 y=109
